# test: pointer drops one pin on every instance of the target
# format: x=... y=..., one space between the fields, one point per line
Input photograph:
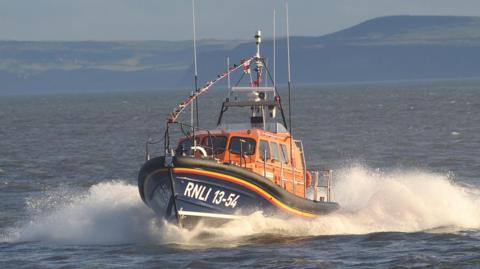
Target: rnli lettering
x=197 y=191
x=202 y=193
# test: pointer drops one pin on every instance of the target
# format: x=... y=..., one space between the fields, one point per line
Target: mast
x=259 y=64
x=258 y=59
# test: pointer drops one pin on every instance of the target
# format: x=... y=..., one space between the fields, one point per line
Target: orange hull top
x=262 y=152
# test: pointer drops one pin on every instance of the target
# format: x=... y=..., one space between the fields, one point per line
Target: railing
x=194 y=148
x=149 y=142
x=327 y=176
x=299 y=145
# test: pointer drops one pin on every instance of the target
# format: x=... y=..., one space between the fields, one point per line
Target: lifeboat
x=235 y=169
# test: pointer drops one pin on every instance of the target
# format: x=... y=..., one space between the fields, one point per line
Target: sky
x=216 y=19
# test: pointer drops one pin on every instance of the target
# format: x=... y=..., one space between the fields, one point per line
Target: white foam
x=371 y=202
x=404 y=201
x=108 y=213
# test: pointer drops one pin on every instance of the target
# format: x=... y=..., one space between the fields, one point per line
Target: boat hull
x=188 y=190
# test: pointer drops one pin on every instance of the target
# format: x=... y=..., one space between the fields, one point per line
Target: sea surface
x=406 y=160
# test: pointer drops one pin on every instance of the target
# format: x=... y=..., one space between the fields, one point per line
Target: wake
x=371 y=201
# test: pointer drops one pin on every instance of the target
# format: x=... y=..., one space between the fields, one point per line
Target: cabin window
x=264 y=150
x=284 y=153
x=185 y=146
x=215 y=144
x=274 y=151
x=239 y=144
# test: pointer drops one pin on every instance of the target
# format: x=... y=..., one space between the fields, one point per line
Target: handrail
x=147 y=147
x=328 y=174
x=299 y=145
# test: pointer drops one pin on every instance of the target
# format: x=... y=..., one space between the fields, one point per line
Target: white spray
x=371 y=201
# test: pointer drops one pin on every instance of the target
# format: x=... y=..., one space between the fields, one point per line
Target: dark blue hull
x=195 y=189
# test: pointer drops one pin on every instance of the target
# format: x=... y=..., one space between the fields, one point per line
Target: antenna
x=228 y=75
x=289 y=91
x=266 y=78
x=195 y=65
x=274 y=50
x=288 y=46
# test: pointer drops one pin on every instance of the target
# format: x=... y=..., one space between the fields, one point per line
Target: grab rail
x=327 y=174
x=147 y=146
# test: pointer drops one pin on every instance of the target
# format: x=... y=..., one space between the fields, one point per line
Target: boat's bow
x=192 y=188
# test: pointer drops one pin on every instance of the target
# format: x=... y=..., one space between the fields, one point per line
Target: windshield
x=215 y=144
x=242 y=144
x=185 y=146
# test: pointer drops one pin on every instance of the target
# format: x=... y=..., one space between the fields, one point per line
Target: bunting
x=180 y=107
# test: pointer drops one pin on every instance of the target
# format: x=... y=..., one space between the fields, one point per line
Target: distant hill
x=386 y=48
x=92 y=65
x=395 y=30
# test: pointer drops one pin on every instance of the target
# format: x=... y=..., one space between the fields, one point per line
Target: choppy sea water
x=405 y=155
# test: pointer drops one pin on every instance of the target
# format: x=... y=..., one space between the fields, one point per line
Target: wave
x=372 y=201
x=108 y=213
